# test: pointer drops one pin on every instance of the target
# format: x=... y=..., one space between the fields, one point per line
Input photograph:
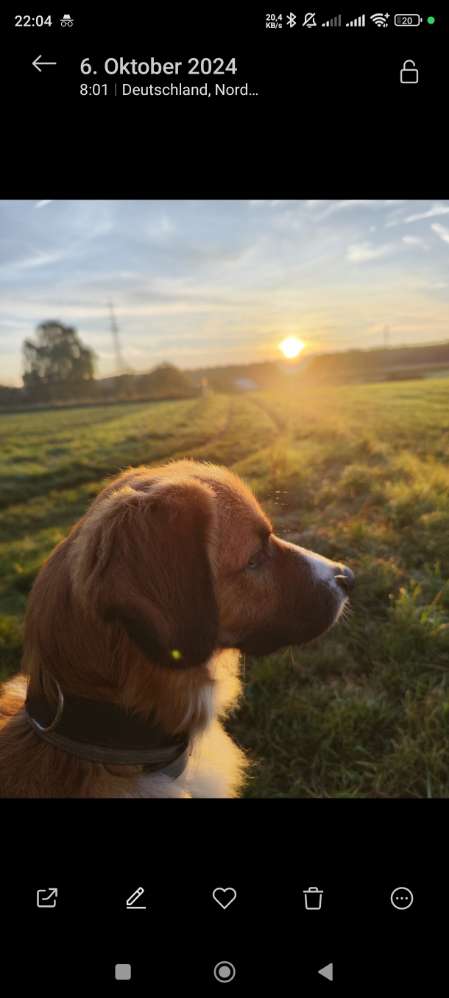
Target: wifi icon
x=380 y=19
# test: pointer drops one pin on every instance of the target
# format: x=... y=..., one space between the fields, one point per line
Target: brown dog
x=132 y=638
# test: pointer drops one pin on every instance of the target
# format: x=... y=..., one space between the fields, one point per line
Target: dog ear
x=150 y=571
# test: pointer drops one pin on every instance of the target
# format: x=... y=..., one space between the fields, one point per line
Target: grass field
x=357 y=473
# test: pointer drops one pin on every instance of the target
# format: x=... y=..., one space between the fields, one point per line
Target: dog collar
x=106 y=733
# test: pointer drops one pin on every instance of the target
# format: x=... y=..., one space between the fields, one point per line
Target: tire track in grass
x=249 y=430
x=61 y=506
x=78 y=473
x=279 y=421
x=205 y=449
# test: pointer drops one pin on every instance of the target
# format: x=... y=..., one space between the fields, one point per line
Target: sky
x=204 y=283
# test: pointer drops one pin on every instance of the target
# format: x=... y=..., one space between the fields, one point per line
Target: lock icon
x=409 y=72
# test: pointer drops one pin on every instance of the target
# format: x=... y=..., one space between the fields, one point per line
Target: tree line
x=58 y=367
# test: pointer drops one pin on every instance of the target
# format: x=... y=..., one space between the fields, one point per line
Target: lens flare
x=291 y=347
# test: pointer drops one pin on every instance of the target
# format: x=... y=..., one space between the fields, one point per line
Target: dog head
x=185 y=561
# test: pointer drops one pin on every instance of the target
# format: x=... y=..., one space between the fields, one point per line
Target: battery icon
x=407 y=20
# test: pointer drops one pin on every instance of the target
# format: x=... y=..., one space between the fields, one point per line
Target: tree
x=57 y=359
x=165 y=380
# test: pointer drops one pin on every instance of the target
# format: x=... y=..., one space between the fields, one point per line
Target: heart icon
x=224 y=896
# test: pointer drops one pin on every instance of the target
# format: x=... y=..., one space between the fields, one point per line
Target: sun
x=291 y=347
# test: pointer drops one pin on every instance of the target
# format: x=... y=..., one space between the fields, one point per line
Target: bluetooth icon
x=291 y=20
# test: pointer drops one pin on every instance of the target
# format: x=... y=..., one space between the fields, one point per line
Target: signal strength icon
x=335 y=22
x=358 y=22
x=380 y=19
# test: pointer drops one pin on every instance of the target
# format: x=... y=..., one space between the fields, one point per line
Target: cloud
x=441 y=231
x=41 y=204
x=398 y=218
x=436 y=209
x=39 y=259
x=415 y=241
x=361 y=252
x=337 y=206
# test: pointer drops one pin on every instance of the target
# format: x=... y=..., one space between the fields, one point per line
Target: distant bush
x=162 y=381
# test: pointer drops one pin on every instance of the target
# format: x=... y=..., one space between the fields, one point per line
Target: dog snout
x=345 y=578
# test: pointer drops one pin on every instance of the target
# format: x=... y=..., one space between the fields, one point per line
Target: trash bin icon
x=313 y=898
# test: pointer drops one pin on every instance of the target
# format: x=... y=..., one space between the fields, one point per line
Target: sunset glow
x=291 y=347
x=215 y=283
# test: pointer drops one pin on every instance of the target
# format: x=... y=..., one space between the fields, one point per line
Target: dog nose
x=345 y=578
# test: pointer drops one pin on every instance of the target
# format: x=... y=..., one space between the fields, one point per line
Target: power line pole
x=119 y=362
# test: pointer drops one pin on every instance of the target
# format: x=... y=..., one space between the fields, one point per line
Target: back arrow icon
x=37 y=64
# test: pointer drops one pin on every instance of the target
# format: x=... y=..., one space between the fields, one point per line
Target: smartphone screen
x=224 y=398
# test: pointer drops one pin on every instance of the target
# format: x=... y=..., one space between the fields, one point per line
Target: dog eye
x=256 y=560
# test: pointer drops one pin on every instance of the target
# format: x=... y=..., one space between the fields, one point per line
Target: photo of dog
x=163 y=632
x=134 y=632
